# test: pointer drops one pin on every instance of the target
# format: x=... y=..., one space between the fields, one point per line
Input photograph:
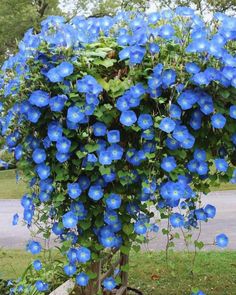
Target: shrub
x=108 y=116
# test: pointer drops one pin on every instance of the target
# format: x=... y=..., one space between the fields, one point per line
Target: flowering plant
x=108 y=116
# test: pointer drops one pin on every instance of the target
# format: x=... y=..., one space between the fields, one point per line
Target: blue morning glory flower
x=43 y=170
x=166 y=32
x=99 y=129
x=61 y=157
x=74 y=190
x=168 y=163
x=232 y=111
x=33 y=114
x=54 y=131
x=41 y=286
x=57 y=229
x=221 y=240
x=128 y=118
x=122 y=103
x=88 y=84
x=221 y=165
x=63 y=145
x=168 y=78
x=202 y=168
x=113 y=201
x=37 y=265
x=140 y=228
x=65 y=69
x=75 y=114
x=83 y=255
x=39 y=156
x=115 y=151
x=39 y=98
x=177 y=220
x=200 y=214
x=57 y=103
x=210 y=211
x=180 y=133
x=145 y=121
x=82 y=279
x=218 y=121
x=70 y=269
x=105 y=157
x=113 y=136
x=15 y=219
x=95 y=192
x=200 y=155
x=34 y=247
x=175 y=111
x=136 y=54
x=109 y=283
x=192 y=68
x=70 y=220
x=167 y=125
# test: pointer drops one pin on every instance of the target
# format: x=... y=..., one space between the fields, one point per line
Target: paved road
x=225 y=221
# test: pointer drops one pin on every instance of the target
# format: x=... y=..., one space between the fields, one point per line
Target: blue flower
x=89 y=84
x=168 y=163
x=122 y=103
x=202 y=168
x=137 y=90
x=65 y=69
x=145 y=121
x=99 y=129
x=37 y=265
x=63 y=145
x=83 y=255
x=34 y=247
x=54 y=131
x=43 y=171
x=192 y=68
x=74 y=190
x=140 y=228
x=109 y=283
x=136 y=54
x=210 y=211
x=82 y=279
x=221 y=165
x=15 y=219
x=70 y=269
x=177 y=220
x=128 y=118
x=57 y=103
x=70 y=220
x=115 y=151
x=218 y=121
x=232 y=111
x=168 y=78
x=95 y=192
x=200 y=214
x=75 y=114
x=105 y=157
x=39 y=98
x=166 y=31
x=62 y=157
x=54 y=76
x=175 y=111
x=41 y=286
x=167 y=125
x=180 y=133
x=113 y=201
x=33 y=114
x=113 y=136
x=200 y=155
x=221 y=240
x=39 y=156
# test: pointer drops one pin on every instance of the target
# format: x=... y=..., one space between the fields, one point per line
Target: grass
x=9 y=189
x=214 y=272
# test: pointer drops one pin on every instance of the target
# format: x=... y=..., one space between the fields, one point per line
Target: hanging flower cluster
x=107 y=116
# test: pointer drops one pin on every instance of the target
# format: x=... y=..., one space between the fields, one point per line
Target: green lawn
x=9 y=189
x=215 y=272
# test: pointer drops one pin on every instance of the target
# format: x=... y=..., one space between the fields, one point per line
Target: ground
x=214 y=272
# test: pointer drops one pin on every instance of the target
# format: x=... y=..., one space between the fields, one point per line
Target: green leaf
x=107 y=63
x=125 y=250
x=128 y=229
x=104 y=170
x=91 y=147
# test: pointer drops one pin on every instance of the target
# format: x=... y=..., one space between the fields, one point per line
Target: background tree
x=16 y=16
